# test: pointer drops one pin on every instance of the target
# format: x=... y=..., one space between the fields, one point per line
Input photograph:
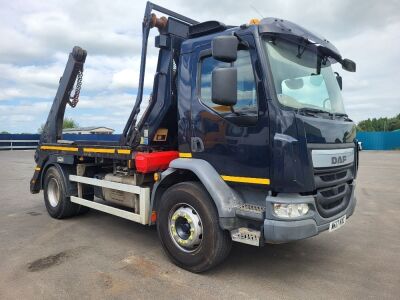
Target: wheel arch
x=183 y=169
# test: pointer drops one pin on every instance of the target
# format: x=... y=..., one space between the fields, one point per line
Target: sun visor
x=292 y=30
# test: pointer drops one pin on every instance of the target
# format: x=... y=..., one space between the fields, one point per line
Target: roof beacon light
x=254 y=21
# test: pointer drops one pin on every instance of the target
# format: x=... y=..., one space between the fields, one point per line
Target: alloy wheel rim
x=53 y=192
x=185 y=227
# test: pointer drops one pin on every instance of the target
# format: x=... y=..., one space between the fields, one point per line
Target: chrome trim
x=332 y=157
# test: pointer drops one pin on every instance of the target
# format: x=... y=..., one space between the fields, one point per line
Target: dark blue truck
x=245 y=138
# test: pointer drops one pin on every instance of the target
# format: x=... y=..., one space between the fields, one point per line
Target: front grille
x=333 y=189
x=335 y=176
x=330 y=192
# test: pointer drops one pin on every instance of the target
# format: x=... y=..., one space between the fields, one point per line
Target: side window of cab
x=247 y=102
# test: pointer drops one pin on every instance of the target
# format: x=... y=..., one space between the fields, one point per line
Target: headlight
x=290 y=210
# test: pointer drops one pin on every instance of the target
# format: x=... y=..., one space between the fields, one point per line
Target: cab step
x=251 y=211
x=246 y=236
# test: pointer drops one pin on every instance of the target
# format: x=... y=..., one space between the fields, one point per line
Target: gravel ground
x=101 y=256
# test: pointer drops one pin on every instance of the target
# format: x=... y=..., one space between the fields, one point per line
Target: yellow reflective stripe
x=37 y=169
x=246 y=179
x=124 y=151
x=185 y=155
x=99 y=150
x=87 y=150
x=58 y=148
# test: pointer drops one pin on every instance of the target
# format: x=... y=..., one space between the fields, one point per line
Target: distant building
x=89 y=130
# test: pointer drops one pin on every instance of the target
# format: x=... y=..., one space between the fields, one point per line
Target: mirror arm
x=242 y=41
x=233 y=110
x=319 y=61
x=339 y=80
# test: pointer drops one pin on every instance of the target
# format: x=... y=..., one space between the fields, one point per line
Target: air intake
x=206 y=28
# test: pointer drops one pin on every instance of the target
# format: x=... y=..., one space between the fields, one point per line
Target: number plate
x=337 y=223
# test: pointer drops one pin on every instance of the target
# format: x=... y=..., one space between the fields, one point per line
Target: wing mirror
x=348 y=65
x=224 y=86
x=224 y=48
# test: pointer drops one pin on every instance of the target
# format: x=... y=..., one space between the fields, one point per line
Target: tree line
x=381 y=124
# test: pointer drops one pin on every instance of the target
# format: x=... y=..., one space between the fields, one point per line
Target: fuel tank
x=118 y=197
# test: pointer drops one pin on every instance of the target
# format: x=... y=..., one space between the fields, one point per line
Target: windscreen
x=302 y=77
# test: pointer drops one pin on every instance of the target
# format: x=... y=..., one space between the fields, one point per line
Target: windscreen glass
x=302 y=78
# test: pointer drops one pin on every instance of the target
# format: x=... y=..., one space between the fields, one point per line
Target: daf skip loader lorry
x=245 y=139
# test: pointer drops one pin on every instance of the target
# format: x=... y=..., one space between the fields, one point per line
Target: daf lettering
x=338 y=159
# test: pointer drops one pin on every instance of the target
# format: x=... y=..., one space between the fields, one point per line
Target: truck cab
x=245 y=139
x=286 y=143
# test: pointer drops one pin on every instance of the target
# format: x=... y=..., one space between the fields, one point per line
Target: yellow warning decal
x=124 y=151
x=99 y=150
x=60 y=148
x=246 y=179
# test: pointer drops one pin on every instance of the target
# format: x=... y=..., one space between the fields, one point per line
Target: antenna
x=256 y=10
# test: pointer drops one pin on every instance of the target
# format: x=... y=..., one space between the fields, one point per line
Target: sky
x=36 y=37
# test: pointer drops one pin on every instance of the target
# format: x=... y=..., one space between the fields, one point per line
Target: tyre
x=57 y=203
x=188 y=227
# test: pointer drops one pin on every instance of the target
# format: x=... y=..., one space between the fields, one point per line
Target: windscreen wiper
x=346 y=117
x=341 y=115
x=312 y=111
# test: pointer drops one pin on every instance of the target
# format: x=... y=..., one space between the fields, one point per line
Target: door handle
x=197 y=144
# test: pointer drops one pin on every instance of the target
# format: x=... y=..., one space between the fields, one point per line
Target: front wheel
x=189 y=230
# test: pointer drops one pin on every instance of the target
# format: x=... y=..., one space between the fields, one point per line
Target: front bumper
x=277 y=230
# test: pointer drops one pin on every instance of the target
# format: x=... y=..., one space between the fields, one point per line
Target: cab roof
x=204 y=32
x=284 y=27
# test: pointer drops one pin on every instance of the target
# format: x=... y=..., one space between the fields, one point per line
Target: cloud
x=21 y=117
x=117 y=106
x=38 y=35
x=129 y=76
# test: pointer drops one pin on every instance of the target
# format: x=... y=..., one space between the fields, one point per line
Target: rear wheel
x=189 y=230
x=58 y=205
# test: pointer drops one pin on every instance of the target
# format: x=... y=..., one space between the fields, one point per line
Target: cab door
x=235 y=141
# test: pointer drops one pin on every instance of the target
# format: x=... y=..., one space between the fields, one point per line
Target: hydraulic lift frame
x=52 y=148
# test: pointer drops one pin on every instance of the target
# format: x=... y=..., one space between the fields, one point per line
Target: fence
x=30 y=141
x=18 y=141
x=379 y=140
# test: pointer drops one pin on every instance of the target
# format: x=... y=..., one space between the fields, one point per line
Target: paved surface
x=100 y=256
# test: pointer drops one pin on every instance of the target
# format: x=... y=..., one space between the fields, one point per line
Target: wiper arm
x=341 y=115
x=312 y=110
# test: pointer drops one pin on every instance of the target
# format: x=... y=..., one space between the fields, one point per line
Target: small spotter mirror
x=348 y=65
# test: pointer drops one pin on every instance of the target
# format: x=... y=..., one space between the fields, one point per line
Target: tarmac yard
x=102 y=256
